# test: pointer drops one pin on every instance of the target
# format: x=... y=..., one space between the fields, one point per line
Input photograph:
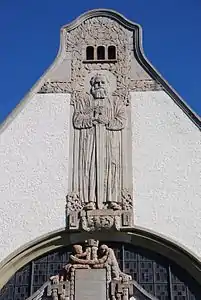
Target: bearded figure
x=98 y=167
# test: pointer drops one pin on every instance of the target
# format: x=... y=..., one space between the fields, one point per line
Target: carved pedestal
x=100 y=219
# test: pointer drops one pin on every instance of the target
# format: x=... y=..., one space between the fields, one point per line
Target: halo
x=111 y=80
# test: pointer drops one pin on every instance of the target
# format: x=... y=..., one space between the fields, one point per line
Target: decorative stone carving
x=119 y=286
x=134 y=85
x=127 y=202
x=100 y=30
x=104 y=31
x=73 y=202
x=100 y=120
x=96 y=220
x=99 y=168
x=55 y=87
x=144 y=85
x=101 y=184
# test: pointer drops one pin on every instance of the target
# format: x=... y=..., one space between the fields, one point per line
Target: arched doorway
x=157 y=270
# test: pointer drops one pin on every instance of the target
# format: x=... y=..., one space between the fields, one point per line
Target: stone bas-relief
x=98 y=263
x=54 y=87
x=100 y=187
x=100 y=190
x=134 y=86
x=99 y=165
x=100 y=120
x=101 y=31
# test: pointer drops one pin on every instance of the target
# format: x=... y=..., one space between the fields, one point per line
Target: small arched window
x=101 y=52
x=111 y=52
x=90 y=53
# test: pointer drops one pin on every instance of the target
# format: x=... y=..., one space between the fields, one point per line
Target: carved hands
x=85 y=116
x=99 y=116
x=62 y=285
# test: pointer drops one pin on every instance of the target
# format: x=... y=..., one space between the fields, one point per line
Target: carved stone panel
x=134 y=85
x=92 y=273
x=54 y=87
x=100 y=196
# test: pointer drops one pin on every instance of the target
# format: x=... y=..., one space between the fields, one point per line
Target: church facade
x=100 y=176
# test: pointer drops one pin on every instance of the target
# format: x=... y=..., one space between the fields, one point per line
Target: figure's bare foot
x=90 y=206
x=115 y=206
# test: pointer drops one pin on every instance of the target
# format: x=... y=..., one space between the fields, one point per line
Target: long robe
x=98 y=151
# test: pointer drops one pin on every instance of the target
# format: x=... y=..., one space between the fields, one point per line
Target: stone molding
x=65 y=86
x=53 y=87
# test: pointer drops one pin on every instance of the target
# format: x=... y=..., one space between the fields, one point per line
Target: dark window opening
x=101 y=52
x=90 y=53
x=156 y=274
x=111 y=52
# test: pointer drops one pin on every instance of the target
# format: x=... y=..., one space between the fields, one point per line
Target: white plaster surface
x=34 y=162
x=166 y=169
x=34 y=171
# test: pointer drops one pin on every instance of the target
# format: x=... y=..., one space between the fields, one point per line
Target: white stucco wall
x=166 y=169
x=34 y=171
x=34 y=156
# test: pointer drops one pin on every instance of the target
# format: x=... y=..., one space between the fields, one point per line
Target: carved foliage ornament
x=53 y=87
x=134 y=85
x=104 y=30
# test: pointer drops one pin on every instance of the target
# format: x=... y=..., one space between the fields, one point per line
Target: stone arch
x=136 y=236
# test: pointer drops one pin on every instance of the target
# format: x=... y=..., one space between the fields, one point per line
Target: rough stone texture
x=34 y=171
x=166 y=169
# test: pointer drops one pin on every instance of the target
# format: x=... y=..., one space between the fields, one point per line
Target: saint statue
x=98 y=120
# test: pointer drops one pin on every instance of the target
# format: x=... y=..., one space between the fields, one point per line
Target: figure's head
x=77 y=249
x=99 y=88
x=103 y=249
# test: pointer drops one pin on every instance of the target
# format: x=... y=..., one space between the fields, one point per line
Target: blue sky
x=29 y=38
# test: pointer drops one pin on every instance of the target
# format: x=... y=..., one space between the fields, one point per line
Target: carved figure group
x=92 y=258
x=120 y=286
